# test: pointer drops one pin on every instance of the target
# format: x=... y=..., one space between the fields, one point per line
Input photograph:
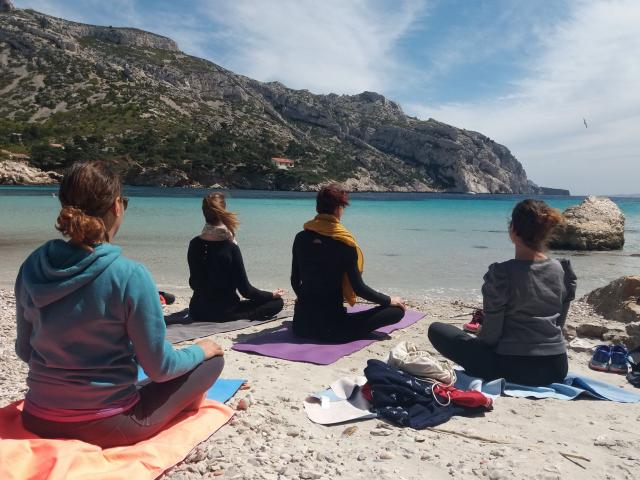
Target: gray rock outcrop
x=596 y=224
x=618 y=302
x=364 y=139
x=455 y=159
x=20 y=173
x=6 y=6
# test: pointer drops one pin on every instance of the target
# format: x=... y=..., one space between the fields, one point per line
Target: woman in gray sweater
x=526 y=300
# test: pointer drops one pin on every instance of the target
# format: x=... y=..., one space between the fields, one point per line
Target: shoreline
x=312 y=192
x=274 y=440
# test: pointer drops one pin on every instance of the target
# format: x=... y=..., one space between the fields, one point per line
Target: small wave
x=479 y=246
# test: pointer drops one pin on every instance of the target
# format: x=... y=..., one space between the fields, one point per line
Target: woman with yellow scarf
x=327 y=271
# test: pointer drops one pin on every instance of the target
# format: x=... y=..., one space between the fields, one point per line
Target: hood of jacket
x=57 y=269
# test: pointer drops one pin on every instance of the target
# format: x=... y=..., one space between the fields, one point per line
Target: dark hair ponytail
x=214 y=209
x=87 y=191
x=533 y=222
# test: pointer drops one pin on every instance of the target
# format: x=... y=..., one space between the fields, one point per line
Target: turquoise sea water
x=416 y=245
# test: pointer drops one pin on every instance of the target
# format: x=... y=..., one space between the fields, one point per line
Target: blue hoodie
x=83 y=318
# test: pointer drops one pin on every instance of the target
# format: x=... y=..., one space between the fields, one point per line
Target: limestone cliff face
x=20 y=173
x=63 y=32
x=455 y=159
x=125 y=83
x=6 y=6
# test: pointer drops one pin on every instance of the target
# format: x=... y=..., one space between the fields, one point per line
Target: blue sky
x=523 y=72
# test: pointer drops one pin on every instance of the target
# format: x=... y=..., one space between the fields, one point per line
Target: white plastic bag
x=408 y=357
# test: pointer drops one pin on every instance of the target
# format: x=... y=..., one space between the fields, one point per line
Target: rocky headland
x=21 y=173
x=71 y=91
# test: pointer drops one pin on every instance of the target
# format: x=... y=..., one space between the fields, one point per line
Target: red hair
x=533 y=221
x=331 y=197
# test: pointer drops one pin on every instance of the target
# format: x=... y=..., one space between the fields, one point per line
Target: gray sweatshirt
x=526 y=305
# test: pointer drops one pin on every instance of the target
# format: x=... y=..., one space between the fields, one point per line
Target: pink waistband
x=67 y=415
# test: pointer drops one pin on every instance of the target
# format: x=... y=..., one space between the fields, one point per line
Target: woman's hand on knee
x=278 y=293
x=210 y=348
x=397 y=302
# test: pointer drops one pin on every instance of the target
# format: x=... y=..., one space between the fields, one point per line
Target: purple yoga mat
x=283 y=344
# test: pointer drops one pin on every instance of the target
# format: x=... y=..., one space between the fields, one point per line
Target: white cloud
x=329 y=46
x=583 y=64
x=588 y=68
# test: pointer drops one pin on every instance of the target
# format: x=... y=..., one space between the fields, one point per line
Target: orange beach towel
x=25 y=456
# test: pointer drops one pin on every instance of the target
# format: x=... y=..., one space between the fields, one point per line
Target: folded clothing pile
x=407 y=401
x=412 y=389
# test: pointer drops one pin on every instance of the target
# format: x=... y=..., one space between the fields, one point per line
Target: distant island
x=71 y=92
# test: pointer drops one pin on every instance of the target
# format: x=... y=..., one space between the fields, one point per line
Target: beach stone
x=309 y=475
x=498 y=472
x=619 y=300
x=596 y=224
x=633 y=331
x=592 y=329
x=582 y=345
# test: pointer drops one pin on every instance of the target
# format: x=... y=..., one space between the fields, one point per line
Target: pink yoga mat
x=282 y=343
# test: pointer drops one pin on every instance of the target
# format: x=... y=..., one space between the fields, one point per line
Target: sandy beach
x=273 y=439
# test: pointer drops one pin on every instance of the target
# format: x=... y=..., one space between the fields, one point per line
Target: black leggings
x=246 y=309
x=159 y=404
x=255 y=309
x=480 y=360
x=354 y=325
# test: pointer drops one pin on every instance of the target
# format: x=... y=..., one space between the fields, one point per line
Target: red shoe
x=475 y=324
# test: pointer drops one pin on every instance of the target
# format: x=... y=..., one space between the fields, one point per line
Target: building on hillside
x=283 y=163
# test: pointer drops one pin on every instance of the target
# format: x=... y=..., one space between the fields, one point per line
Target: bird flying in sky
x=584 y=120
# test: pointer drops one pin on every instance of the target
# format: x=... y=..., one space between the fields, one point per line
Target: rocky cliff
x=133 y=97
x=20 y=173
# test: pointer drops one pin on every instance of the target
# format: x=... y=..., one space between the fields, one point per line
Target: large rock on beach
x=619 y=304
x=620 y=300
x=596 y=224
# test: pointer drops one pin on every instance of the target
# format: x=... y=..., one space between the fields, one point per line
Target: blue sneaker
x=601 y=358
x=619 y=359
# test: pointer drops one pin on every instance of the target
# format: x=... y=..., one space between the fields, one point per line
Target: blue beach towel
x=572 y=387
x=221 y=391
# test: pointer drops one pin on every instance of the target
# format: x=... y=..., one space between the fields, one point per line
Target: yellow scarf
x=330 y=226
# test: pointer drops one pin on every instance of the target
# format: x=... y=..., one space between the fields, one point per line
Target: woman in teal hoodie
x=87 y=317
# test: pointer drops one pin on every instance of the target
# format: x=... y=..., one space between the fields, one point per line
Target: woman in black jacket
x=326 y=271
x=217 y=271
